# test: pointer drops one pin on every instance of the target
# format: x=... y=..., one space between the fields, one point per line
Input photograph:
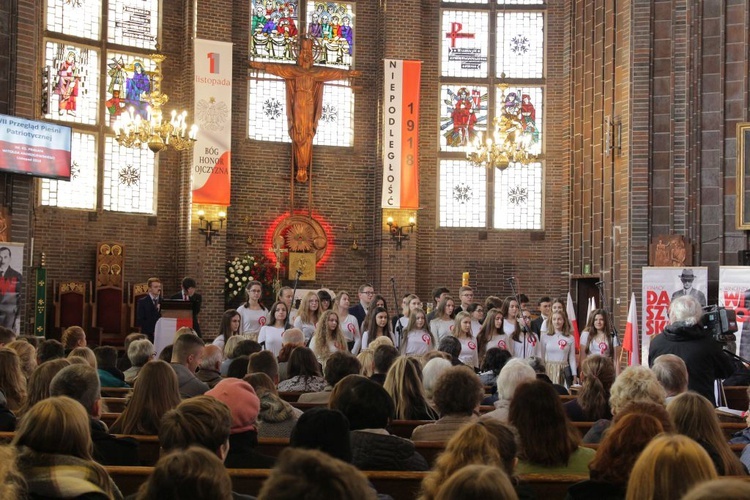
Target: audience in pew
x=85 y=354
x=72 y=337
x=723 y=489
x=54 y=452
x=290 y=339
x=369 y=409
x=668 y=467
x=124 y=362
x=514 y=373
x=186 y=356
x=81 y=383
x=12 y=379
x=537 y=364
x=615 y=457
x=548 y=441
x=243 y=349
x=264 y=362
x=476 y=443
x=38 y=385
x=366 y=358
x=7 y=418
x=238 y=367
x=6 y=336
x=694 y=416
x=325 y=430
x=493 y=361
x=12 y=483
x=156 y=392
x=208 y=422
x=304 y=373
x=209 y=369
x=404 y=384
x=338 y=365
x=457 y=396
x=313 y=475
x=48 y=350
x=26 y=354
x=106 y=362
x=383 y=357
x=244 y=406
x=140 y=352
x=276 y=418
x=433 y=368
x=193 y=473
x=635 y=383
x=592 y=401
x=477 y=481
x=671 y=372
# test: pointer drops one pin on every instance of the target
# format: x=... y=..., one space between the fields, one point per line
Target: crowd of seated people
x=656 y=439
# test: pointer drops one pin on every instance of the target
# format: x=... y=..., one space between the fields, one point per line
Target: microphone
x=393 y=278
x=599 y=283
x=512 y=278
x=299 y=272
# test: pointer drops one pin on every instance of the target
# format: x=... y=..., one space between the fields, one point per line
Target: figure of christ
x=304 y=100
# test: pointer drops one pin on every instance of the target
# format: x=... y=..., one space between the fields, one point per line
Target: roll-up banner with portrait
x=734 y=293
x=11 y=276
x=661 y=285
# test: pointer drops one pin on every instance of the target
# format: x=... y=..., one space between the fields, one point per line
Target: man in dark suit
x=188 y=293
x=545 y=309
x=10 y=287
x=148 y=309
x=366 y=293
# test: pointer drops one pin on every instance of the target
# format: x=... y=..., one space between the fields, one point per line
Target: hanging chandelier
x=512 y=140
x=132 y=130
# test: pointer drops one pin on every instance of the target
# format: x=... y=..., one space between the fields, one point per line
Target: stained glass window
x=129 y=178
x=492 y=77
x=75 y=17
x=464 y=43
x=333 y=26
x=74 y=79
x=133 y=23
x=273 y=30
x=463 y=194
x=80 y=191
x=77 y=93
x=518 y=197
x=520 y=44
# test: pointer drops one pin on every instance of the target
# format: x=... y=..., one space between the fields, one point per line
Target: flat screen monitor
x=35 y=148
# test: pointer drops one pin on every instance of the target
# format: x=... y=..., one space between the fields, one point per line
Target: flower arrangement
x=240 y=270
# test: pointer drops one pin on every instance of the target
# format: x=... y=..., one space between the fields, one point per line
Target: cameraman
x=685 y=337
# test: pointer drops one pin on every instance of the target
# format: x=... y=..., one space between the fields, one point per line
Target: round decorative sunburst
x=299 y=238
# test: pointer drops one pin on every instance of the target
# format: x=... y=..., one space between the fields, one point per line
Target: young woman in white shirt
x=524 y=343
x=307 y=315
x=411 y=303
x=559 y=349
x=417 y=339
x=252 y=311
x=442 y=325
x=230 y=326
x=491 y=334
x=377 y=326
x=596 y=338
x=328 y=337
x=477 y=317
x=510 y=311
x=349 y=323
x=462 y=331
x=270 y=334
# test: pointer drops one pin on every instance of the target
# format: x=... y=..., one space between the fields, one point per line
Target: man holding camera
x=685 y=337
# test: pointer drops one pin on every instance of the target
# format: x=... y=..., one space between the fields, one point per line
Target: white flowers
x=238 y=271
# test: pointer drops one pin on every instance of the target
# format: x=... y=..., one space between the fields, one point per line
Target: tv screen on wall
x=35 y=148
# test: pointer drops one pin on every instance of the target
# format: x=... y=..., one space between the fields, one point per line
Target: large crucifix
x=304 y=100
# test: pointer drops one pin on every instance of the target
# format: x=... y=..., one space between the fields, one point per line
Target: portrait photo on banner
x=734 y=294
x=11 y=274
x=661 y=285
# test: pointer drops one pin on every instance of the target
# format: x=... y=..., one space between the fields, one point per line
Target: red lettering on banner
x=657 y=311
x=736 y=301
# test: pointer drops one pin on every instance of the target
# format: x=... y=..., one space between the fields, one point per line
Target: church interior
x=634 y=104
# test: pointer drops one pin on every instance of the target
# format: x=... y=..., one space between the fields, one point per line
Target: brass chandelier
x=132 y=131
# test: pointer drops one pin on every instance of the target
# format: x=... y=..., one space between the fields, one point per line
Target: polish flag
x=630 y=343
x=570 y=309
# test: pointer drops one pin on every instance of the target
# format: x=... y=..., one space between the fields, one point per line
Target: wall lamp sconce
x=209 y=227
x=400 y=233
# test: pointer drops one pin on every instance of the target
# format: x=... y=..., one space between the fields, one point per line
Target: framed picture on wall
x=743 y=176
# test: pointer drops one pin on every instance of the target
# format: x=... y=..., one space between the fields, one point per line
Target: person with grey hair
x=209 y=369
x=81 y=383
x=684 y=337
x=140 y=352
x=431 y=372
x=672 y=374
x=514 y=373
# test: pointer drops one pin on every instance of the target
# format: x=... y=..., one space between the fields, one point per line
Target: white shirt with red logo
x=441 y=328
x=501 y=341
x=469 y=353
x=418 y=342
x=527 y=346
x=271 y=335
x=597 y=347
x=252 y=319
x=560 y=349
x=350 y=327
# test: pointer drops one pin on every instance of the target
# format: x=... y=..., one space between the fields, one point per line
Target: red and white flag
x=571 y=310
x=630 y=343
x=591 y=308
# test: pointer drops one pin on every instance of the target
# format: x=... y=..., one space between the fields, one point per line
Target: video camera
x=720 y=323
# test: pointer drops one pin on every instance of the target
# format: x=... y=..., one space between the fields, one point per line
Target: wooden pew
x=115 y=405
x=116 y=392
x=290 y=396
x=736 y=397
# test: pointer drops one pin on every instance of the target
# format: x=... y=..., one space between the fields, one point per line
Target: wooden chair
x=137 y=292
x=108 y=319
x=72 y=303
